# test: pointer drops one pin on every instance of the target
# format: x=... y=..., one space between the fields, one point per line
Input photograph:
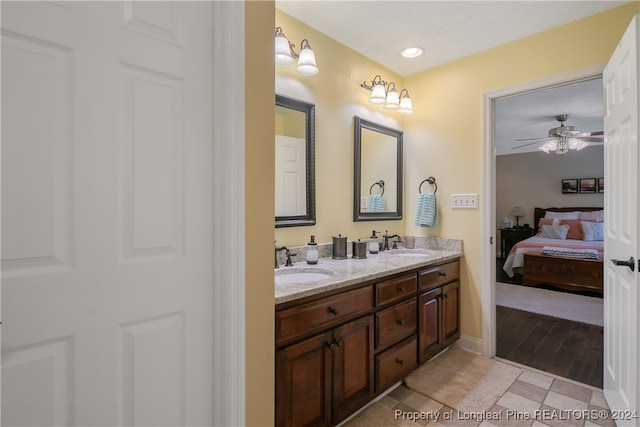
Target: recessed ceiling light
x=412 y=52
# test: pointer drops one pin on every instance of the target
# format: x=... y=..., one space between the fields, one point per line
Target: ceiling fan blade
x=525 y=145
x=598 y=133
x=591 y=138
x=532 y=139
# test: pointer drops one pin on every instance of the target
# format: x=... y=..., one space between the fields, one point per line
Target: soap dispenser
x=312 y=251
x=374 y=246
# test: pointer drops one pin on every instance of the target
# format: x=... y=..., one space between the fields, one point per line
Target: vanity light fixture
x=285 y=54
x=386 y=94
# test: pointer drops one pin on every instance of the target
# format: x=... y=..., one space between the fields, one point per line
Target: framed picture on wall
x=569 y=186
x=587 y=185
x=600 y=185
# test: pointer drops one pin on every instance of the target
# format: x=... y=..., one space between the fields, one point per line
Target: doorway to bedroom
x=545 y=318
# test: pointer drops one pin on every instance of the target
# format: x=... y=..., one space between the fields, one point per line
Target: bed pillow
x=598 y=216
x=593 y=230
x=575 y=228
x=554 y=231
x=562 y=215
x=546 y=221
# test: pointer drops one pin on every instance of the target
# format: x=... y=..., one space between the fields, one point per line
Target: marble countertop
x=350 y=271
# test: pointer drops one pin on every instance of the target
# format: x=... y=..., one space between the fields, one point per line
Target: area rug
x=378 y=415
x=463 y=380
x=563 y=305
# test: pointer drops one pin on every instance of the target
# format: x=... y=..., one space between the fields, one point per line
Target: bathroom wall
x=444 y=135
x=338 y=97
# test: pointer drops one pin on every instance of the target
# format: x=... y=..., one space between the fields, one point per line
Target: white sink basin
x=301 y=275
x=409 y=252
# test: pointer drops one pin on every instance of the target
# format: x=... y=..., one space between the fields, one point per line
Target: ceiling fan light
x=562 y=150
x=582 y=145
x=552 y=144
x=544 y=148
x=575 y=143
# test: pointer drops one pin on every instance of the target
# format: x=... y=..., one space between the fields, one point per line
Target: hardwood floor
x=570 y=349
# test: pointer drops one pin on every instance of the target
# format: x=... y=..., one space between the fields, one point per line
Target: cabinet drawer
x=395 y=289
x=314 y=316
x=395 y=323
x=394 y=364
x=438 y=275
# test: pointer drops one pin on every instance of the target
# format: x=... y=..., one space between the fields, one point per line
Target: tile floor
x=534 y=399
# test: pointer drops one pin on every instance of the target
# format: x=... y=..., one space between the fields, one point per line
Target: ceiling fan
x=564 y=138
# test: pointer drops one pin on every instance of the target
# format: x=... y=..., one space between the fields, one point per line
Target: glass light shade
x=393 y=100
x=378 y=94
x=552 y=144
x=582 y=145
x=544 y=148
x=307 y=62
x=406 y=105
x=574 y=143
x=283 y=53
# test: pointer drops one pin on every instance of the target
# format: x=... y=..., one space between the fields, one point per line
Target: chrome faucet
x=386 y=241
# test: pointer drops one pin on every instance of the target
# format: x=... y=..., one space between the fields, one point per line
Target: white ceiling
x=449 y=30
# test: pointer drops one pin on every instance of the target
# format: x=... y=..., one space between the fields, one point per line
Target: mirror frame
x=310 y=119
x=360 y=124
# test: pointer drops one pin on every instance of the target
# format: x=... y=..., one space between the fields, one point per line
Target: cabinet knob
x=339 y=343
x=445 y=296
x=400 y=322
x=400 y=289
x=333 y=310
x=400 y=362
x=331 y=346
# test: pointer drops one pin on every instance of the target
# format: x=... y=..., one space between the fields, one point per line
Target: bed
x=575 y=266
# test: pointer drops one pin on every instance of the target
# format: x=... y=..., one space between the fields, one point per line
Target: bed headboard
x=539 y=213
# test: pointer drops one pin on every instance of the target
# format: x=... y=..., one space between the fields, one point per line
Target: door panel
x=107 y=213
x=622 y=160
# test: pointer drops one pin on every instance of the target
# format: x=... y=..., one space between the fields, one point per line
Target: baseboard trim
x=471 y=344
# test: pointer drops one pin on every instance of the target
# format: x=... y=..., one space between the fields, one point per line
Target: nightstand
x=511 y=236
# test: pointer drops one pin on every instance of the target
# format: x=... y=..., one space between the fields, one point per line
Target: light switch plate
x=464 y=201
x=364 y=203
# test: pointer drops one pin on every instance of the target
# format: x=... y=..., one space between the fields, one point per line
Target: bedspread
x=535 y=244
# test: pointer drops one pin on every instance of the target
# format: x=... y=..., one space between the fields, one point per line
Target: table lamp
x=517 y=212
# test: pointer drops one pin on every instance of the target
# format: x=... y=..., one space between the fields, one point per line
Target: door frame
x=229 y=356
x=487 y=293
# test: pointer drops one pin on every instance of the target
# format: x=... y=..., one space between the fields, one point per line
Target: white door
x=621 y=156
x=291 y=176
x=107 y=213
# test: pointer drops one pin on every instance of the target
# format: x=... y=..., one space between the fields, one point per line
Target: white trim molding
x=487 y=292
x=229 y=356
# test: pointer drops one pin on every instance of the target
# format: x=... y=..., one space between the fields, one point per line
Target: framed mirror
x=377 y=172
x=295 y=163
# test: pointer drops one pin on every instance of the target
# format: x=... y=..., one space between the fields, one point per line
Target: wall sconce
x=285 y=54
x=386 y=94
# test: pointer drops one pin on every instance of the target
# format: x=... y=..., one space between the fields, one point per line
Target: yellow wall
x=444 y=136
x=260 y=195
x=337 y=95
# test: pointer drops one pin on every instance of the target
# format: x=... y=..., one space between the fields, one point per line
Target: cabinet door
x=303 y=385
x=450 y=315
x=353 y=384
x=429 y=312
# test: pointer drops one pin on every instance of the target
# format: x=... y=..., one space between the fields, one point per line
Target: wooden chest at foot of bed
x=571 y=274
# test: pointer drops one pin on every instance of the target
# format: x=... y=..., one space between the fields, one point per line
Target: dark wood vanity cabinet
x=334 y=354
x=438 y=309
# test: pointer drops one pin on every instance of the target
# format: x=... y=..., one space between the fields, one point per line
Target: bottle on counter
x=312 y=251
x=374 y=246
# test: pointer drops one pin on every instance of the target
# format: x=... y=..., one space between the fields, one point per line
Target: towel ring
x=380 y=183
x=431 y=180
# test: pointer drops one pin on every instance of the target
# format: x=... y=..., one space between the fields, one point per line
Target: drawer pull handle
x=339 y=343
x=442 y=274
x=400 y=362
x=333 y=310
x=400 y=322
x=400 y=289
